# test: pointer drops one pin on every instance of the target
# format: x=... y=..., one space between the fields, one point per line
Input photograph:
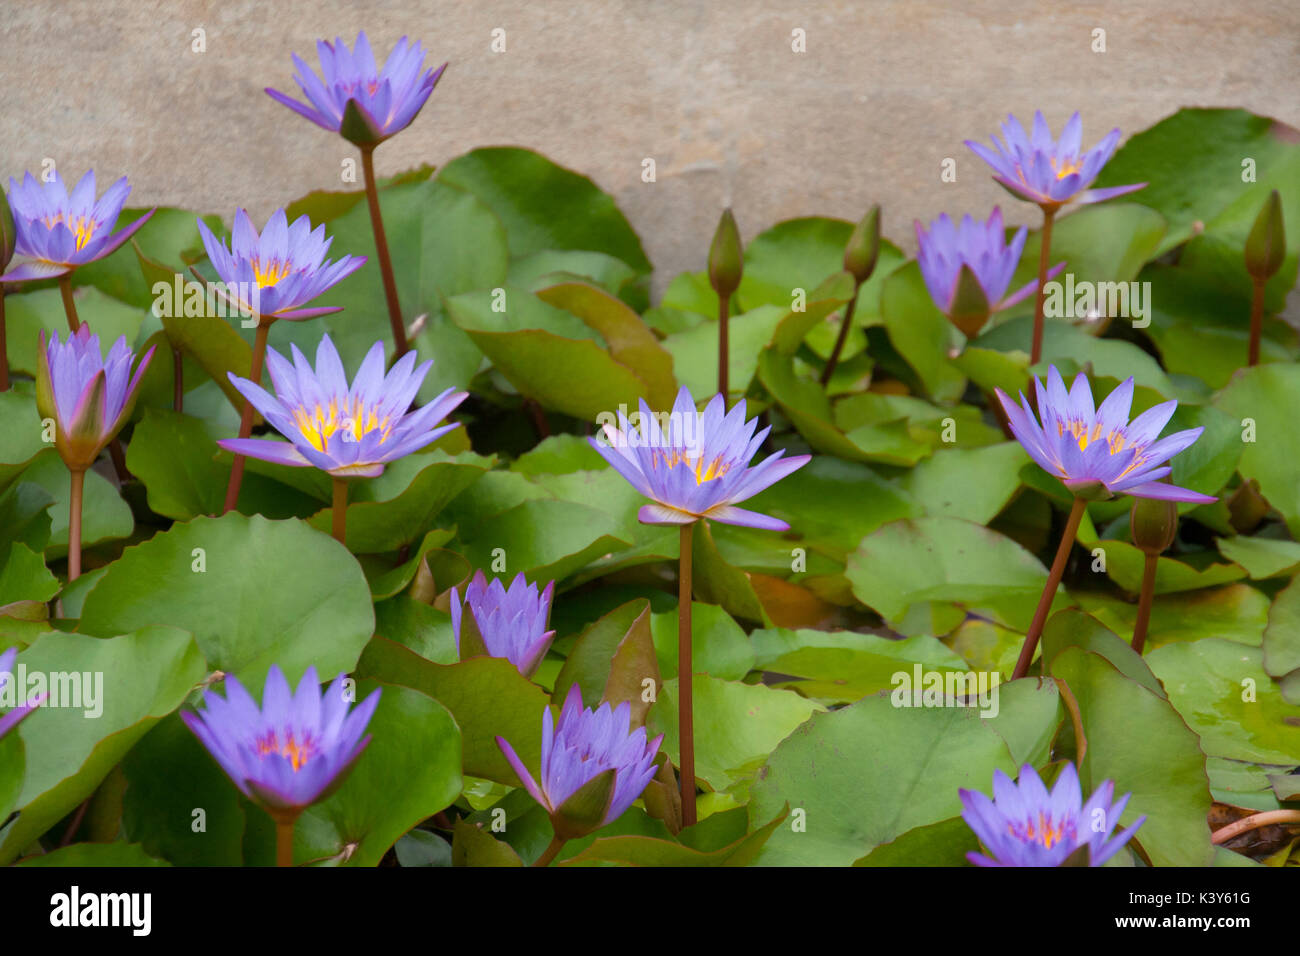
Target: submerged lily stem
x=339 y=512
x=284 y=842
x=724 y=315
x=840 y=339
x=1254 y=822
x=551 y=851
x=1144 y=601
x=69 y=306
x=1049 y=590
x=1256 y=320
x=685 y=678
x=246 y=415
x=381 y=249
x=74 y=524
x=1040 y=298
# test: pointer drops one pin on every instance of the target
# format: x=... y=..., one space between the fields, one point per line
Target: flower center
x=83 y=228
x=269 y=274
x=1066 y=167
x=318 y=424
x=1045 y=832
x=297 y=752
x=703 y=472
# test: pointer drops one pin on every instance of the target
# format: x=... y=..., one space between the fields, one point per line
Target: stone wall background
x=711 y=90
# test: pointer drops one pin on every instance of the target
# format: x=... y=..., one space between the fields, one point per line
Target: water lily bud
x=1247 y=507
x=1266 y=244
x=1153 y=522
x=863 y=249
x=6 y=231
x=726 y=257
x=969 y=308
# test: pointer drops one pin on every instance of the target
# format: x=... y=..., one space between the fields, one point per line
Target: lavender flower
x=699 y=466
x=579 y=747
x=295 y=749
x=274 y=274
x=1049 y=173
x=11 y=720
x=1024 y=825
x=364 y=104
x=1098 y=452
x=345 y=431
x=512 y=623
x=56 y=232
x=88 y=397
x=948 y=250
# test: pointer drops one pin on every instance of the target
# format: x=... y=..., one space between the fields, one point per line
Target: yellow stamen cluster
x=270 y=273
x=674 y=457
x=295 y=751
x=1046 y=833
x=318 y=424
x=82 y=227
x=1066 y=167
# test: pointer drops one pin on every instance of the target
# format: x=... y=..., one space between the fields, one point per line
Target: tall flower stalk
x=1153 y=524
x=693 y=465
x=1097 y=453
x=7 y=246
x=726 y=266
x=268 y=278
x=366 y=105
x=1265 y=250
x=89 y=398
x=1052 y=174
x=860 y=256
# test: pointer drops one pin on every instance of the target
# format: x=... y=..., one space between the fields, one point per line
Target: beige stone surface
x=886 y=90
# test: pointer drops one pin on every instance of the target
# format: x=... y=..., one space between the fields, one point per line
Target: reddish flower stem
x=246 y=415
x=551 y=852
x=840 y=339
x=685 y=678
x=178 y=381
x=1144 y=601
x=74 y=524
x=4 y=348
x=69 y=306
x=1256 y=320
x=724 y=315
x=1049 y=590
x=1036 y=352
x=284 y=842
x=339 y=512
x=381 y=249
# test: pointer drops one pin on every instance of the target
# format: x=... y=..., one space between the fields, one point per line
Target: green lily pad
x=1222 y=691
x=1261 y=400
x=270 y=592
x=1281 y=643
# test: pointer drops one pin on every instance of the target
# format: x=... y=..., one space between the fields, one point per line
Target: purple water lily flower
x=11 y=720
x=511 y=622
x=698 y=466
x=56 y=232
x=89 y=397
x=982 y=248
x=1050 y=173
x=347 y=431
x=295 y=749
x=1024 y=825
x=278 y=272
x=1098 y=452
x=579 y=747
x=384 y=101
